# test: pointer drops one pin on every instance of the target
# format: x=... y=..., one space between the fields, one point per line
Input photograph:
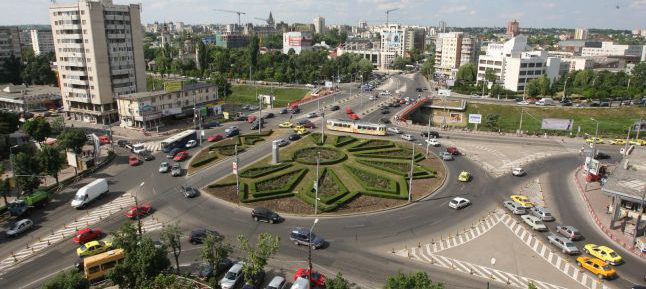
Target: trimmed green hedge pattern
x=329 y=155
x=257 y=172
x=371 y=181
x=343 y=140
x=316 y=138
x=203 y=161
x=229 y=150
x=401 y=168
x=280 y=184
x=371 y=144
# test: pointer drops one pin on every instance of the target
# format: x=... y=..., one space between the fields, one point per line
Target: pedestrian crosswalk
x=153 y=146
x=92 y=217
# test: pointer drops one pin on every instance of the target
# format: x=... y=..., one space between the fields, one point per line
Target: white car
x=164 y=167
x=137 y=148
x=534 y=222
x=191 y=143
x=407 y=137
x=459 y=203
x=433 y=142
x=514 y=208
x=394 y=130
x=19 y=227
x=176 y=170
x=311 y=115
x=518 y=171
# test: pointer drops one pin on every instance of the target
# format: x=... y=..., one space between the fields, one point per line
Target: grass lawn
x=247 y=94
x=612 y=121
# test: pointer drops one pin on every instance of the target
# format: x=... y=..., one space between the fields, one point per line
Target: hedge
x=257 y=172
x=342 y=190
x=393 y=186
x=419 y=172
x=229 y=150
x=219 y=185
x=341 y=156
x=203 y=161
x=287 y=187
x=371 y=145
x=316 y=138
x=256 y=134
x=343 y=140
x=226 y=142
x=252 y=140
x=391 y=153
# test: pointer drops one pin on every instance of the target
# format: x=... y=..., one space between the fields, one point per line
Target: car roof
x=261 y=210
x=459 y=199
x=276 y=281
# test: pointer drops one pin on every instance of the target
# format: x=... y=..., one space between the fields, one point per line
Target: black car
x=602 y=156
x=283 y=111
x=294 y=137
x=240 y=118
x=269 y=115
x=197 y=236
x=265 y=215
x=419 y=89
x=255 y=124
x=385 y=111
x=432 y=133
x=205 y=271
x=335 y=108
x=122 y=143
x=146 y=155
x=384 y=120
x=211 y=124
x=231 y=132
x=303 y=122
x=189 y=192
x=295 y=110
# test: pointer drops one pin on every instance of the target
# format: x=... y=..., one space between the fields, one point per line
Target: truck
x=90 y=192
x=20 y=206
x=545 y=101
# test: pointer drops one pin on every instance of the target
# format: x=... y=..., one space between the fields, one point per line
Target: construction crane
x=388 y=14
x=263 y=19
x=231 y=11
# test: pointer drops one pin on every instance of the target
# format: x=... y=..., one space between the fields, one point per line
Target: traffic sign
x=475 y=118
x=235 y=168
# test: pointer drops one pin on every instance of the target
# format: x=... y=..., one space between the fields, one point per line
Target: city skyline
x=620 y=14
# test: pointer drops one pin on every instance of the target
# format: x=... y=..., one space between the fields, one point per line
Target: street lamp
x=316 y=186
x=137 y=209
x=564 y=87
x=596 y=134
x=309 y=257
x=13 y=170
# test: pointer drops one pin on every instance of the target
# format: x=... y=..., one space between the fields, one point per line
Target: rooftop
x=17 y=91
x=146 y=94
x=629 y=183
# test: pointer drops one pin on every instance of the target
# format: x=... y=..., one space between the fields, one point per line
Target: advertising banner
x=557 y=124
x=475 y=118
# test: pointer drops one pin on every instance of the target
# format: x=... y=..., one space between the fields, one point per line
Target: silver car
x=176 y=170
x=446 y=156
x=541 y=213
x=19 y=227
x=535 y=223
x=564 y=244
x=164 y=167
x=232 y=277
x=514 y=208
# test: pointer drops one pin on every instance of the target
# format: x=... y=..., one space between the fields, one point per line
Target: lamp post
x=594 y=142
x=137 y=209
x=410 y=179
x=316 y=185
x=564 y=87
x=13 y=170
x=309 y=253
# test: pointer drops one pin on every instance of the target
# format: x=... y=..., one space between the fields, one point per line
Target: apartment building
x=298 y=41
x=319 y=24
x=609 y=48
x=42 y=41
x=9 y=43
x=99 y=54
x=453 y=50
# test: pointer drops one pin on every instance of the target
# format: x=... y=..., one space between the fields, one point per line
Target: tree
x=490 y=77
x=257 y=257
x=253 y=51
x=417 y=280
x=533 y=88
x=214 y=251
x=531 y=285
x=58 y=125
x=73 y=139
x=223 y=86
x=5 y=189
x=428 y=69
x=491 y=120
x=337 y=283
x=400 y=63
x=10 y=70
x=67 y=280
x=51 y=161
x=38 y=128
x=26 y=168
x=143 y=261
x=169 y=281
x=39 y=71
x=8 y=122
x=171 y=236
x=544 y=85
x=466 y=73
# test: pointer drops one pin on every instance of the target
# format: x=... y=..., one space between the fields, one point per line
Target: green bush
x=251 y=140
x=343 y=140
x=203 y=161
x=316 y=138
x=371 y=144
x=401 y=168
x=280 y=184
x=329 y=155
x=391 y=153
x=371 y=181
x=261 y=171
x=229 y=150
x=328 y=181
x=256 y=134
x=219 y=185
x=226 y=142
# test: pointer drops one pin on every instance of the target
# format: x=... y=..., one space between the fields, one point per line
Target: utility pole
x=137 y=209
x=260 y=121
x=316 y=185
x=235 y=169
x=564 y=87
x=410 y=180
x=520 y=126
x=428 y=136
x=309 y=251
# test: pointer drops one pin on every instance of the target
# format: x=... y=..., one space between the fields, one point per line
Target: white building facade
x=453 y=50
x=608 y=48
x=298 y=41
x=319 y=24
x=42 y=41
x=99 y=54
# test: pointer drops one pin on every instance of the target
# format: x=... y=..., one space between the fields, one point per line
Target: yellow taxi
x=285 y=124
x=597 y=267
x=594 y=140
x=93 y=248
x=638 y=142
x=298 y=127
x=464 y=176
x=521 y=200
x=618 y=141
x=603 y=253
x=301 y=131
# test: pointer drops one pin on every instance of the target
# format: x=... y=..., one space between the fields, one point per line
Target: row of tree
x=31 y=69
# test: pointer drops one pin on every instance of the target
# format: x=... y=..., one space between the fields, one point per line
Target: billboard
x=444 y=92
x=455 y=117
x=71 y=159
x=172 y=86
x=591 y=166
x=393 y=39
x=557 y=124
x=475 y=118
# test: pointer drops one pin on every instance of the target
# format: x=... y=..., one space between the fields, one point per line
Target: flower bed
x=316 y=138
x=401 y=168
x=229 y=150
x=257 y=172
x=275 y=185
x=343 y=140
x=251 y=139
x=391 y=153
x=371 y=181
x=328 y=155
x=371 y=144
x=204 y=161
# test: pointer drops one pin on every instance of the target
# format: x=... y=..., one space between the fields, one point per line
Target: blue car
x=301 y=236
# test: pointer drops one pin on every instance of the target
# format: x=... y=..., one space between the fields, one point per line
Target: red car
x=251 y=118
x=139 y=211
x=133 y=160
x=104 y=139
x=214 y=138
x=316 y=278
x=348 y=110
x=181 y=156
x=353 y=116
x=453 y=150
x=87 y=235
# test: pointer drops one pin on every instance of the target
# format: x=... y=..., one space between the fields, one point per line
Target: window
x=93 y=269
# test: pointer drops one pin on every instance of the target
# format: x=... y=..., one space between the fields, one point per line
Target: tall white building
x=608 y=48
x=42 y=41
x=581 y=33
x=298 y=41
x=453 y=50
x=319 y=24
x=393 y=43
x=99 y=54
x=514 y=67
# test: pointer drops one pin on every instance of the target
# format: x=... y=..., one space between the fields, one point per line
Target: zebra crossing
x=153 y=146
x=428 y=253
x=92 y=217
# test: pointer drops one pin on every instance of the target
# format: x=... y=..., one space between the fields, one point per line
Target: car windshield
x=79 y=197
x=613 y=254
x=231 y=275
x=13 y=226
x=606 y=268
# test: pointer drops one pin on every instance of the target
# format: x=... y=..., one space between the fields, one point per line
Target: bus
x=356 y=127
x=178 y=141
x=96 y=267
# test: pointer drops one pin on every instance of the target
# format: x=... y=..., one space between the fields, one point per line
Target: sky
x=615 y=14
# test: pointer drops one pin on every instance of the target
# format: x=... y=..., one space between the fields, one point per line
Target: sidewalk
x=596 y=204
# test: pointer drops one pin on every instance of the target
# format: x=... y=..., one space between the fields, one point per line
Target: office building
x=319 y=25
x=9 y=43
x=415 y=38
x=231 y=40
x=513 y=29
x=514 y=67
x=298 y=41
x=608 y=48
x=453 y=50
x=393 y=43
x=581 y=34
x=42 y=41
x=99 y=54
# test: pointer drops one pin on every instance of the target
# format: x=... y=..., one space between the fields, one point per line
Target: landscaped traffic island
x=355 y=174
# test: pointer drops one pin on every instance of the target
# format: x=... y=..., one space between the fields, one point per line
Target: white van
x=137 y=148
x=301 y=283
x=90 y=192
x=545 y=101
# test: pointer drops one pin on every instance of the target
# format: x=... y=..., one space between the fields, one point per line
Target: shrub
x=371 y=144
x=328 y=155
x=391 y=153
x=316 y=138
x=257 y=172
x=331 y=188
x=229 y=150
x=203 y=161
x=256 y=134
x=226 y=142
x=251 y=140
x=371 y=181
x=280 y=184
x=401 y=168
x=343 y=140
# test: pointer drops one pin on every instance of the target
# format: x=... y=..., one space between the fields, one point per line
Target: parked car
x=278 y=282
x=233 y=277
x=433 y=142
x=433 y=134
x=334 y=108
x=407 y=137
x=197 y=236
x=181 y=156
x=283 y=111
x=133 y=160
x=294 y=137
x=312 y=115
x=542 y=213
x=214 y=138
x=261 y=214
x=535 y=223
x=514 y=208
x=518 y=171
x=301 y=283
x=385 y=111
x=393 y=130
x=176 y=170
x=191 y=144
x=521 y=200
x=122 y=143
x=317 y=279
x=597 y=267
x=256 y=124
x=569 y=232
x=269 y=115
x=295 y=110
x=19 y=227
x=86 y=235
x=232 y=131
x=205 y=271
x=453 y=150
x=447 y=156
x=301 y=236
x=254 y=281
x=189 y=192
x=566 y=246
x=282 y=142
x=603 y=253
x=211 y=124
x=384 y=120
x=139 y=211
x=459 y=203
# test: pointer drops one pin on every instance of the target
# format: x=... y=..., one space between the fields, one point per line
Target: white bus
x=356 y=127
x=178 y=140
